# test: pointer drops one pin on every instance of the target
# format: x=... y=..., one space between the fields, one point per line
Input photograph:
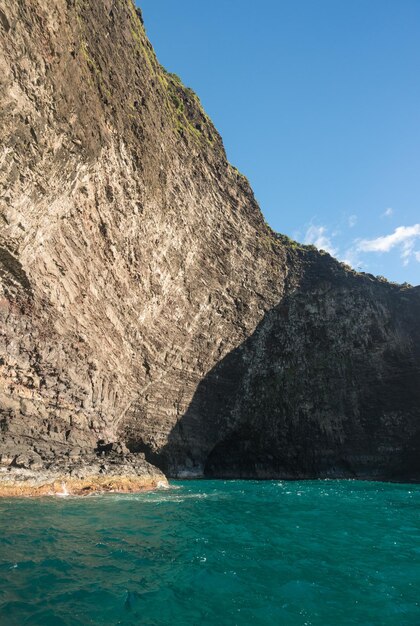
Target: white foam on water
x=190 y=473
x=64 y=493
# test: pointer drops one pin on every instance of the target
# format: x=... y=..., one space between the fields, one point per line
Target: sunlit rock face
x=143 y=298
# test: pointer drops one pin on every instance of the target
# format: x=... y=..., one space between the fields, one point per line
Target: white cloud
x=318 y=236
x=401 y=235
x=387 y=212
x=352 y=257
x=404 y=237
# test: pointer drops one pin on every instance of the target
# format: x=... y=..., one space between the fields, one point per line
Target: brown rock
x=144 y=300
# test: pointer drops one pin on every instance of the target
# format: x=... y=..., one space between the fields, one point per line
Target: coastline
x=87 y=473
x=64 y=485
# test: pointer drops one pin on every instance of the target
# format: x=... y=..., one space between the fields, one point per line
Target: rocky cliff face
x=143 y=298
x=327 y=385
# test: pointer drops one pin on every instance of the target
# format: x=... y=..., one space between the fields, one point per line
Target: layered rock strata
x=143 y=298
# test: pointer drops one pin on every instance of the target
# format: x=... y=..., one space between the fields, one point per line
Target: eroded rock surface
x=39 y=469
x=327 y=385
x=143 y=298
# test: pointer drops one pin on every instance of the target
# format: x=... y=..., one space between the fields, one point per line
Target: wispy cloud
x=352 y=257
x=388 y=212
x=403 y=237
x=319 y=237
x=352 y=221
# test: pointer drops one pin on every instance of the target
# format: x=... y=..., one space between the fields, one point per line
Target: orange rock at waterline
x=80 y=487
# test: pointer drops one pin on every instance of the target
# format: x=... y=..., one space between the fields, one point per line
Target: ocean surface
x=324 y=553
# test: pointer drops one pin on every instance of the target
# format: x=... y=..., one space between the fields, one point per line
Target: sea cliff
x=144 y=301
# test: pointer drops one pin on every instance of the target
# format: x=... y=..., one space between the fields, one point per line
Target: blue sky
x=318 y=105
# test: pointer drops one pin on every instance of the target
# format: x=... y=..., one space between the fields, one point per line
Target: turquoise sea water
x=315 y=553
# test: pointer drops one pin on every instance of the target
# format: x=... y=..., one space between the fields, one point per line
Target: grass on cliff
x=177 y=95
x=186 y=108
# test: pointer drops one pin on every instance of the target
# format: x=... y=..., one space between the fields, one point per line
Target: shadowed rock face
x=327 y=385
x=143 y=298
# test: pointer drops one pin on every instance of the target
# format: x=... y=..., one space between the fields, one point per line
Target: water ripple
x=317 y=553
